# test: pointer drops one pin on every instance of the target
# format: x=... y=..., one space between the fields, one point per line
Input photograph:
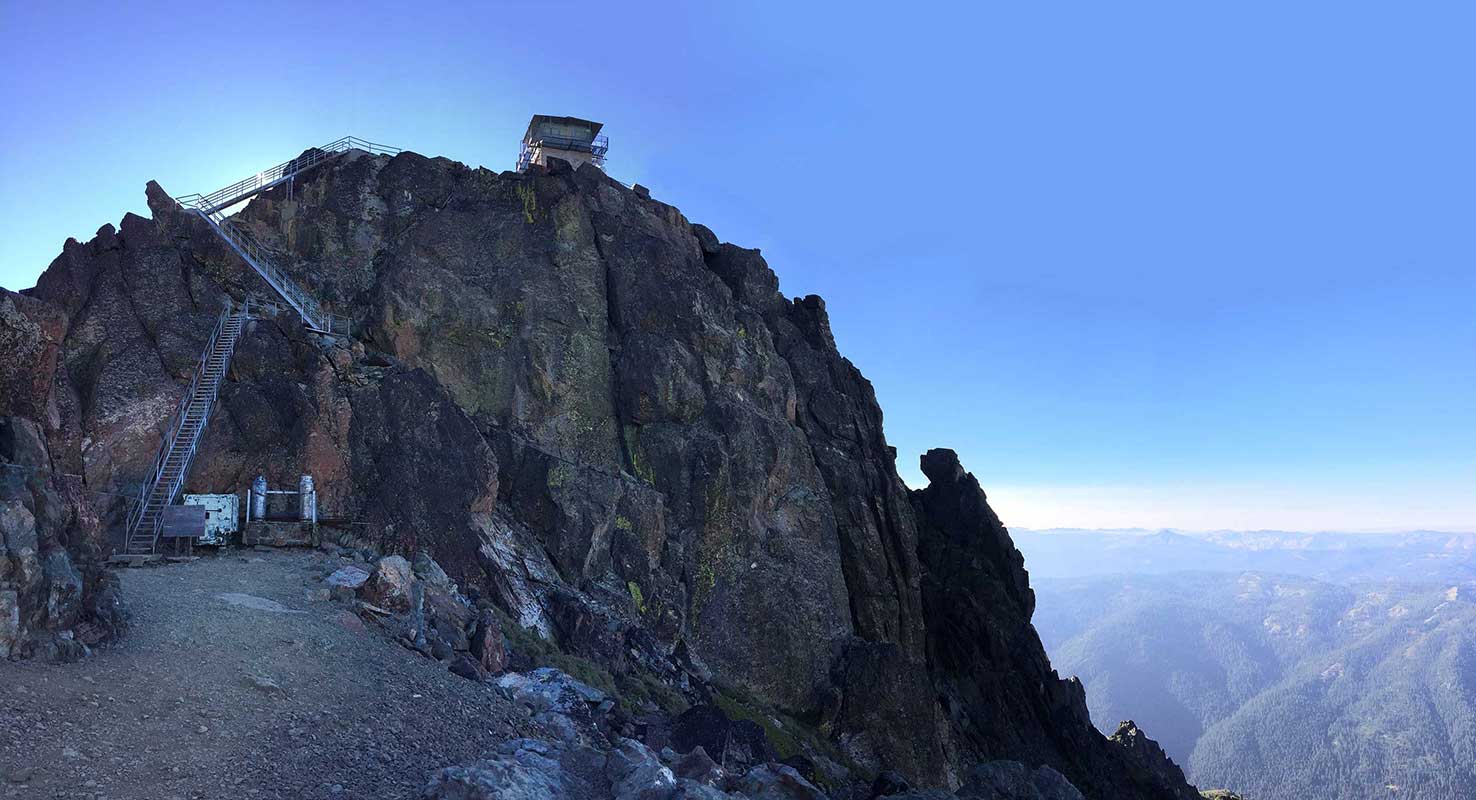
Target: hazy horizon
x=1237 y=508
x=1201 y=531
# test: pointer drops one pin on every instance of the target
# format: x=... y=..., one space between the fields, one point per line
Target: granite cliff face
x=600 y=416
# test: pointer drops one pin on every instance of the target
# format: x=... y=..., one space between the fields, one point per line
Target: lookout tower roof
x=542 y=124
x=577 y=141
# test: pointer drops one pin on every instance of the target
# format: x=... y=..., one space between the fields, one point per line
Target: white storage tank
x=308 y=498
x=259 y=497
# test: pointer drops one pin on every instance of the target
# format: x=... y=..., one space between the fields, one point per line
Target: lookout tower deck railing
x=597 y=148
x=570 y=138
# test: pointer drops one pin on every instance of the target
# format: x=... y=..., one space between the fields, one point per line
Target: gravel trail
x=237 y=680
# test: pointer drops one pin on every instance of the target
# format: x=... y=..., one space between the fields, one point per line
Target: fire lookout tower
x=569 y=138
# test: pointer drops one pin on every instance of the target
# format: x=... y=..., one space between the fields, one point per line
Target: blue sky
x=1159 y=264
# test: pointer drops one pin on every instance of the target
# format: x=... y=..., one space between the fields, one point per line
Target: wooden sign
x=183 y=522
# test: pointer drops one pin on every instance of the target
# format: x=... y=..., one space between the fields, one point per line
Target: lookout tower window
x=572 y=139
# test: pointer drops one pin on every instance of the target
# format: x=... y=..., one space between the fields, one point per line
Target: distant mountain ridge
x=1329 y=556
x=1353 y=682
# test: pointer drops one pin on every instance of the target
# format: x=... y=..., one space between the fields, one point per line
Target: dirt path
x=232 y=698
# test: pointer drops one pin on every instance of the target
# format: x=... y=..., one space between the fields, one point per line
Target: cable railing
x=341 y=325
x=267 y=178
x=255 y=254
x=212 y=208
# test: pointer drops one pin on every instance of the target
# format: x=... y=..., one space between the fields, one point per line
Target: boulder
x=17 y=529
x=1011 y=780
x=559 y=726
x=497 y=780
x=467 y=667
x=774 y=781
x=549 y=689
x=636 y=773
x=448 y=615
x=699 y=767
x=390 y=584
x=803 y=765
x=413 y=626
x=738 y=743
x=691 y=790
x=10 y=624
x=63 y=590
x=20 y=563
x=59 y=648
x=889 y=783
x=106 y=610
x=1052 y=785
x=427 y=570
x=349 y=577
x=523 y=769
x=486 y=643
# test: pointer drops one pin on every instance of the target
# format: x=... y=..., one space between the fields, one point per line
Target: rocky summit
x=609 y=428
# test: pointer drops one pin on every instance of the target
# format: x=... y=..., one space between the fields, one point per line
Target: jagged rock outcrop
x=1147 y=753
x=613 y=425
x=528 y=769
x=55 y=598
x=989 y=668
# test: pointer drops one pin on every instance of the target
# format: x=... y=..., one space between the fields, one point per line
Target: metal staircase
x=212 y=208
x=252 y=252
x=185 y=427
x=177 y=450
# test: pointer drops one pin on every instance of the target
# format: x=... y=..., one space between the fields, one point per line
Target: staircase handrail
x=176 y=422
x=255 y=254
x=248 y=241
x=211 y=207
x=238 y=191
x=339 y=325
